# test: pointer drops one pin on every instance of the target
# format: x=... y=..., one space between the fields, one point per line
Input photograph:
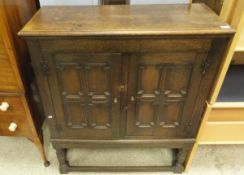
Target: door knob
x=12 y=127
x=115 y=100
x=4 y=106
x=132 y=98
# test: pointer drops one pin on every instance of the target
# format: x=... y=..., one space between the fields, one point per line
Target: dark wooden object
x=215 y=5
x=114 y=2
x=23 y=117
x=125 y=76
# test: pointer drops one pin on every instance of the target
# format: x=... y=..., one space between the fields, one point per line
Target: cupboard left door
x=84 y=92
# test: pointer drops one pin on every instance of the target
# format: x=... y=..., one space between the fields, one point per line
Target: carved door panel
x=162 y=89
x=86 y=101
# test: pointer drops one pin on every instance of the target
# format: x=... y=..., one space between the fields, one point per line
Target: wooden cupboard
x=132 y=79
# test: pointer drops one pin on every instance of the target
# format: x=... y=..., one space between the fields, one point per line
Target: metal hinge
x=205 y=66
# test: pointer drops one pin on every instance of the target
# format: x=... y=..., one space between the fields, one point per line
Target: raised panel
x=146 y=104
x=158 y=98
x=170 y=114
x=162 y=88
x=87 y=92
x=100 y=116
x=176 y=87
x=69 y=80
x=146 y=114
x=98 y=77
x=76 y=115
x=91 y=88
x=149 y=77
x=178 y=78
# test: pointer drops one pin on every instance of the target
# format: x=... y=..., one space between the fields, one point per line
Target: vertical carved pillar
x=180 y=158
x=63 y=163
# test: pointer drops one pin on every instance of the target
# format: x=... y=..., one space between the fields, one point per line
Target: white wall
x=95 y=2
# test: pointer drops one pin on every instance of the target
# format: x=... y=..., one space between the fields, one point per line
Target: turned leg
x=63 y=163
x=180 y=158
x=40 y=147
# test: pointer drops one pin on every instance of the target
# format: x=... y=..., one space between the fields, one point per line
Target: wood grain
x=125 y=20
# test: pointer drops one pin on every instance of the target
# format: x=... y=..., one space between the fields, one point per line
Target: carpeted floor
x=18 y=156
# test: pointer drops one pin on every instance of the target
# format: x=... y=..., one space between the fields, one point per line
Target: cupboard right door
x=162 y=90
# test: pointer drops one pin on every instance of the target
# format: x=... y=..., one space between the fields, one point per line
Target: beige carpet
x=18 y=156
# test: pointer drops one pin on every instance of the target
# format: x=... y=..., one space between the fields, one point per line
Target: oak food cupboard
x=125 y=76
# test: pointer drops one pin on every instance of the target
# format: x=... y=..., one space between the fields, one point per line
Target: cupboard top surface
x=181 y=19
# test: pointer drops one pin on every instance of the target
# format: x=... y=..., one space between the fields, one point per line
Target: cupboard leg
x=63 y=163
x=180 y=158
x=40 y=147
